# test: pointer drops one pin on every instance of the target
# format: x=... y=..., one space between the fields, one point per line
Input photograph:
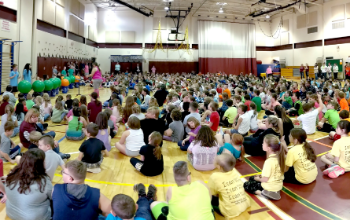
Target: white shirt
x=134 y=141
x=309 y=121
x=323 y=69
x=245 y=124
x=253 y=120
x=329 y=69
x=262 y=96
x=335 y=69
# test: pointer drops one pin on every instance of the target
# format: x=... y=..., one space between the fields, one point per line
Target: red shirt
x=2 y=108
x=214 y=119
x=219 y=90
x=247 y=103
x=24 y=130
x=94 y=110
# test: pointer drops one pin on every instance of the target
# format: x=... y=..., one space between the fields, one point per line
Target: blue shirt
x=27 y=75
x=111 y=217
x=14 y=80
x=148 y=88
x=230 y=148
x=117 y=67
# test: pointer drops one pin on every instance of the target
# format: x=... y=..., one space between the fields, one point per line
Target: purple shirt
x=203 y=158
x=195 y=131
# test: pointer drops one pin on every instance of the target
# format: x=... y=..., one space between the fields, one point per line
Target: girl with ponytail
x=94 y=107
x=337 y=161
x=300 y=162
x=270 y=182
x=9 y=116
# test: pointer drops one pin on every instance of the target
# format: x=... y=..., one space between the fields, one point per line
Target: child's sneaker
x=336 y=172
x=152 y=192
x=329 y=169
x=140 y=189
x=271 y=195
x=94 y=170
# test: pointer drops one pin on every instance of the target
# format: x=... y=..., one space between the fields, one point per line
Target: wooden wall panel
x=60 y=17
x=8 y=14
x=315 y=43
x=49 y=28
x=73 y=24
x=174 y=67
x=81 y=11
x=49 y=11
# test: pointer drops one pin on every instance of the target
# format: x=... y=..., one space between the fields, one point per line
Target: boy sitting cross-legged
x=229 y=198
x=91 y=150
x=9 y=152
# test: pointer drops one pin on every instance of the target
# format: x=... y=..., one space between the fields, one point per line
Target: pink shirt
x=320 y=115
x=203 y=158
x=97 y=74
x=86 y=68
x=48 y=109
x=268 y=70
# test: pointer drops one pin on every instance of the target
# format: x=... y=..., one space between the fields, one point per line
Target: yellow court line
x=323 y=153
x=130 y=184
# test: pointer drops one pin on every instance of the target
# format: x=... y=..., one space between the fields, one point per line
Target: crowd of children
x=214 y=117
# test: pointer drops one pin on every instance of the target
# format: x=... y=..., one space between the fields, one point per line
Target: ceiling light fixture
x=267 y=16
x=221 y=11
x=166 y=8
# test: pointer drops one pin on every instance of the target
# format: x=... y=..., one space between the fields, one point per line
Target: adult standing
x=329 y=71
x=64 y=72
x=307 y=71
x=86 y=69
x=153 y=70
x=14 y=78
x=71 y=70
x=96 y=77
x=27 y=72
x=301 y=69
x=269 y=71
x=316 y=71
x=347 y=71
x=54 y=71
x=335 y=71
x=324 y=70
x=117 y=68
x=29 y=188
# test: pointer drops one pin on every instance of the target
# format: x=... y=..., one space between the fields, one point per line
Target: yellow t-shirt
x=190 y=202
x=229 y=188
x=341 y=149
x=272 y=170
x=305 y=170
x=231 y=114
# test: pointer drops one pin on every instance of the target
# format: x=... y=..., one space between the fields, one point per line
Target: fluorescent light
x=267 y=16
x=166 y=8
x=221 y=11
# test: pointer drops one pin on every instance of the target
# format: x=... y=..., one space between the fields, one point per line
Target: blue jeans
x=57 y=150
x=184 y=147
x=106 y=104
x=143 y=108
x=15 y=131
x=144 y=210
x=63 y=114
x=40 y=126
x=46 y=116
x=286 y=105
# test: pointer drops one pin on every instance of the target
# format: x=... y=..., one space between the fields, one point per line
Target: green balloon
x=24 y=86
x=72 y=79
x=38 y=86
x=57 y=83
x=48 y=85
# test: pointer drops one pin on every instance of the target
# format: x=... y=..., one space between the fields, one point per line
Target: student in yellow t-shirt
x=338 y=160
x=229 y=197
x=270 y=182
x=300 y=161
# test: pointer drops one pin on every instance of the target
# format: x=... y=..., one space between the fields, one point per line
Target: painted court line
x=321 y=138
x=300 y=199
x=320 y=143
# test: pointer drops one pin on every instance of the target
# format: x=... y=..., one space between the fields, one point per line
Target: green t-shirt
x=257 y=101
x=71 y=72
x=231 y=114
x=29 y=104
x=64 y=73
x=289 y=100
x=333 y=117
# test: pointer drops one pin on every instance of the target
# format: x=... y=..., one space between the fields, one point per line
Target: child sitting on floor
x=343 y=115
x=34 y=138
x=74 y=130
x=270 y=182
x=230 y=114
x=336 y=160
x=214 y=116
x=103 y=133
x=331 y=116
x=58 y=113
x=223 y=196
x=151 y=163
x=91 y=151
x=233 y=146
x=175 y=132
x=116 y=110
x=7 y=152
x=243 y=124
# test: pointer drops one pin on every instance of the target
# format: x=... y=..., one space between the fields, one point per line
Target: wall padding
x=49 y=11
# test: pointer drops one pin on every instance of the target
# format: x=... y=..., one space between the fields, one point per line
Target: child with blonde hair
x=46 y=106
x=116 y=110
x=34 y=138
x=9 y=116
x=270 y=182
x=84 y=113
x=58 y=113
x=136 y=111
x=223 y=198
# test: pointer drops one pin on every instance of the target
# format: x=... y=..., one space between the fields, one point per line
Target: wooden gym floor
x=323 y=199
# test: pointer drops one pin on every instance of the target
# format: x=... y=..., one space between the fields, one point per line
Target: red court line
x=320 y=143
